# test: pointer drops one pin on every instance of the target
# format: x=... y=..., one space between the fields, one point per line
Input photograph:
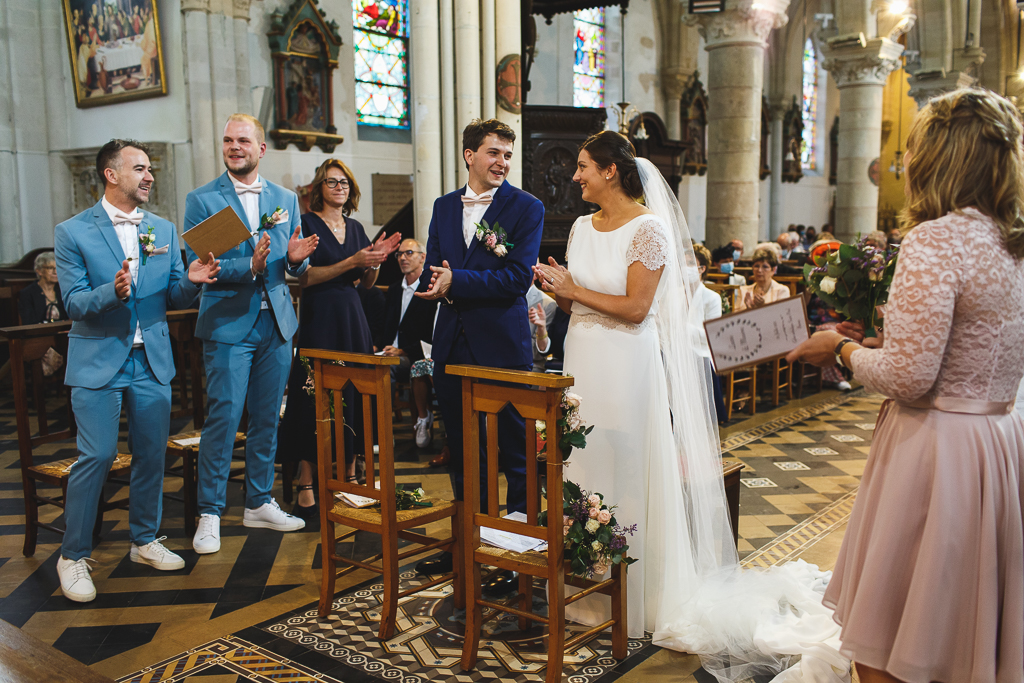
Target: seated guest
x=41 y=302
x=810 y=237
x=408 y=321
x=877 y=239
x=764 y=289
x=723 y=260
x=895 y=236
x=707 y=305
x=737 y=249
x=541 y=308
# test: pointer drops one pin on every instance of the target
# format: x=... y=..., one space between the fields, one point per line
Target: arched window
x=809 y=109
x=382 y=62
x=588 y=69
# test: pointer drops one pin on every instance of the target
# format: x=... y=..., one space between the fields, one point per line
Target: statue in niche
x=559 y=168
x=792 y=142
x=693 y=111
x=304 y=47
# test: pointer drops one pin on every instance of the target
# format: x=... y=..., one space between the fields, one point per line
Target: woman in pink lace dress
x=929 y=584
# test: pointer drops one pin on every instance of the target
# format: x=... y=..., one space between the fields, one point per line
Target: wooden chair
x=188 y=354
x=800 y=375
x=189 y=454
x=28 y=344
x=725 y=290
x=401 y=399
x=532 y=404
x=778 y=369
x=371 y=377
x=730 y=382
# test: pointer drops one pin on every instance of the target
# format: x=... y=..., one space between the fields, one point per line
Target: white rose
x=593 y=525
x=572 y=399
x=500 y=250
x=874 y=275
x=827 y=285
x=596 y=546
x=540 y=425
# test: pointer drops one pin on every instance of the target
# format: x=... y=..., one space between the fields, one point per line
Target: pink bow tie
x=474 y=201
x=120 y=217
x=255 y=188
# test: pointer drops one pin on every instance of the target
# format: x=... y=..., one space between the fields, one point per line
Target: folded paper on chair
x=221 y=232
x=506 y=540
x=356 y=501
x=757 y=334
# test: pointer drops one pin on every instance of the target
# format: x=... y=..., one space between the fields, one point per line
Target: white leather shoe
x=207 y=538
x=156 y=555
x=76 y=580
x=423 y=435
x=271 y=516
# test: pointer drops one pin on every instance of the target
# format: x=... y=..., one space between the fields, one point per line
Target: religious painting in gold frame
x=115 y=50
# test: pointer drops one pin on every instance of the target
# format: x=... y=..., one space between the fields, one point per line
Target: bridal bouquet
x=574 y=429
x=594 y=540
x=854 y=280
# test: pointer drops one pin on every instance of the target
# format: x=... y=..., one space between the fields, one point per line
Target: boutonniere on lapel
x=147 y=245
x=279 y=216
x=494 y=238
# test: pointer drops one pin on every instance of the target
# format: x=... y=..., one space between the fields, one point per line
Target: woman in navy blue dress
x=330 y=317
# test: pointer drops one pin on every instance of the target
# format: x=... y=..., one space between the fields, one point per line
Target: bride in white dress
x=655 y=449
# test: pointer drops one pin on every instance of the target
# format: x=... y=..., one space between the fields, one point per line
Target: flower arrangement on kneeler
x=594 y=540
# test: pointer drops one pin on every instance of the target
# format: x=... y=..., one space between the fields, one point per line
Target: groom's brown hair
x=477 y=131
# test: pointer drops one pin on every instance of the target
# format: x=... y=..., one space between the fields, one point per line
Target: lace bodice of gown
x=954 y=324
x=600 y=261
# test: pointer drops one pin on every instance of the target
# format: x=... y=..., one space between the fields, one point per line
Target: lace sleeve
x=918 y=317
x=649 y=245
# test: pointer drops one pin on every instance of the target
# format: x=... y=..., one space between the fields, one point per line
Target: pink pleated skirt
x=929 y=583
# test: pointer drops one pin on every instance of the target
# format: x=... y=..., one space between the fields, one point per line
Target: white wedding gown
x=686 y=589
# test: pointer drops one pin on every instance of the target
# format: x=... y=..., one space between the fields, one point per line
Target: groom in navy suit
x=482 y=285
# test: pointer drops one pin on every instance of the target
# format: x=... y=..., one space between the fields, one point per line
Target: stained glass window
x=382 y=62
x=588 y=69
x=808 y=155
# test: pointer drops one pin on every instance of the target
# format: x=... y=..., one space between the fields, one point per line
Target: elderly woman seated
x=41 y=302
x=764 y=289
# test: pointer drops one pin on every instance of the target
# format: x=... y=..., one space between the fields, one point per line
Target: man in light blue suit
x=246 y=322
x=120 y=270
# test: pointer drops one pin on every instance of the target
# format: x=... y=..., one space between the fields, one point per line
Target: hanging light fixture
x=626 y=112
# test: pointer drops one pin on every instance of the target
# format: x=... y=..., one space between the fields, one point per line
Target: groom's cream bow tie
x=479 y=199
x=255 y=188
x=120 y=217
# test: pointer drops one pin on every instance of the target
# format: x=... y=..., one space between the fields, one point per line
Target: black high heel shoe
x=305 y=512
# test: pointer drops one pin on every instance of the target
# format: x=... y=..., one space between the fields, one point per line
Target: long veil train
x=741 y=622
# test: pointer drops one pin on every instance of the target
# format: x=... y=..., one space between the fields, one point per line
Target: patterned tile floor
x=798 y=482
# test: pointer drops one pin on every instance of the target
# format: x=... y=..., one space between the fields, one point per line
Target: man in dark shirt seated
x=408 y=321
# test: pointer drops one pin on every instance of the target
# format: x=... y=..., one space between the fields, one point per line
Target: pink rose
x=491 y=240
x=594 y=512
x=594 y=500
x=604 y=516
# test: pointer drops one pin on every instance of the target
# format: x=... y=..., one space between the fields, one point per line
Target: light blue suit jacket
x=89 y=255
x=229 y=306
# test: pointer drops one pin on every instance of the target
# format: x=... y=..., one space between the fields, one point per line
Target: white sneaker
x=423 y=435
x=75 y=579
x=843 y=386
x=156 y=555
x=271 y=516
x=207 y=538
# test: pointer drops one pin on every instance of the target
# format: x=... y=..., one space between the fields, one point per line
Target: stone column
x=467 y=73
x=508 y=41
x=735 y=41
x=10 y=215
x=425 y=40
x=775 y=226
x=243 y=84
x=673 y=83
x=196 y=57
x=925 y=85
x=54 y=47
x=860 y=73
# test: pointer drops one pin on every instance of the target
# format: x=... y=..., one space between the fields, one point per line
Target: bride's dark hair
x=607 y=148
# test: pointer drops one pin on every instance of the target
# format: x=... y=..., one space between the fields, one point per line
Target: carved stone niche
x=304 y=47
x=833 y=152
x=87 y=188
x=553 y=137
x=792 y=138
x=657 y=148
x=766 y=127
x=693 y=112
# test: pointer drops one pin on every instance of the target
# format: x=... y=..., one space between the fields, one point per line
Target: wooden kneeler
x=371 y=377
x=532 y=404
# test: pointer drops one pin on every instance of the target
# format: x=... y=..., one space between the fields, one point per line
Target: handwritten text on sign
x=758 y=334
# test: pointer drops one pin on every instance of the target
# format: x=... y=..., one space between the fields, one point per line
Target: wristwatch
x=839 y=352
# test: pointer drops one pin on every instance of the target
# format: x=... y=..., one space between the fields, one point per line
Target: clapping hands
x=555 y=279
x=440 y=283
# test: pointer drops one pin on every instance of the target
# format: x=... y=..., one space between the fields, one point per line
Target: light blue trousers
x=253 y=371
x=98 y=414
